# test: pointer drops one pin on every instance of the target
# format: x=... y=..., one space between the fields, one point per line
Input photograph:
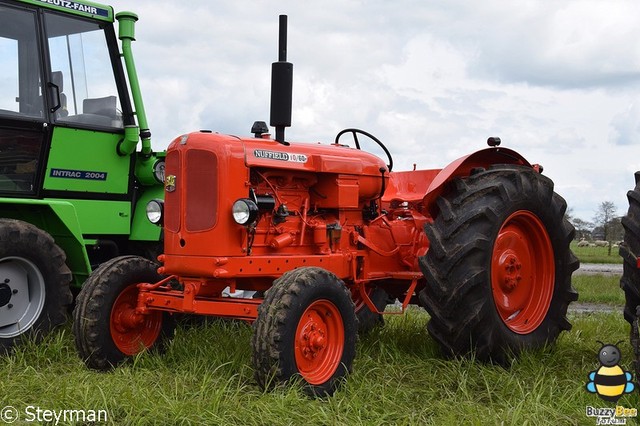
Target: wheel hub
x=314 y=338
x=127 y=318
x=509 y=267
x=5 y=294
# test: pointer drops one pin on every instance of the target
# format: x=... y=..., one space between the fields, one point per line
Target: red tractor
x=326 y=235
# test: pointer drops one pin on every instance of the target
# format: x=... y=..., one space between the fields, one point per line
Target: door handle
x=57 y=97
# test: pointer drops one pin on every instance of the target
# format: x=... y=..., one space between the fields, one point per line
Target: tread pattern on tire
x=272 y=359
x=91 y=317
x=630 y=250
x=19 y=238
x=458 y=293
x=630 y=281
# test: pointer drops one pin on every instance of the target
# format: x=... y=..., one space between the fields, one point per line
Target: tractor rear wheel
x=630 y=281
x=106 y=327
x=306 y=329
x=498 y=270
x=34 y=283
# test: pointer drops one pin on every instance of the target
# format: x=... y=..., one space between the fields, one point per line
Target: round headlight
x=245 y=211
x=155 y=208
x=158 y=171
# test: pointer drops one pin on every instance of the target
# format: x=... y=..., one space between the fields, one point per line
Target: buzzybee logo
x=610 y=381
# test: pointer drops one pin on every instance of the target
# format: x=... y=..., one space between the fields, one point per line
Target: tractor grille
x=201 y=171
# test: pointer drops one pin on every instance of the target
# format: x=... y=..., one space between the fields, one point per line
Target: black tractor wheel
x=34 y=283
x=498 y=270
x=306 y=329
x=106 y=327
x=630 y=281
x=367 y=320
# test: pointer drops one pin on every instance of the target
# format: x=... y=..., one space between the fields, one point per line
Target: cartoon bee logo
x=610 y=381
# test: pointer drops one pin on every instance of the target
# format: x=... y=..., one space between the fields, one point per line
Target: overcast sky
x=557 y=81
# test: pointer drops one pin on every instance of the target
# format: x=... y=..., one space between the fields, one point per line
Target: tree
x=604 y=217
x=616 y=229
x=583 y=228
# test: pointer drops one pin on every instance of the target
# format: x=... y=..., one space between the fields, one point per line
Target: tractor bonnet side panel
x=205 y=174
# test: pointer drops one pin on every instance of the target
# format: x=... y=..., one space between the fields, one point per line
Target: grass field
x=602 y=289
x=399 y=378
x=596 y=254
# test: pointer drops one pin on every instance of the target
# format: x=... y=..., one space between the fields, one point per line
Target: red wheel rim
x=319 y=342
x=522 y=272
x=132 y=332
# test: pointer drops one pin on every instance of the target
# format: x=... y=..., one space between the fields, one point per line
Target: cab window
x=83 y=87
x=20 y=80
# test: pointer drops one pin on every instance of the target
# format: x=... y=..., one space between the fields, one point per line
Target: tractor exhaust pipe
x=126 y=33
x=281 y=86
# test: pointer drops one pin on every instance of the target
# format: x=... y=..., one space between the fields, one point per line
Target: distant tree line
x=606 y=225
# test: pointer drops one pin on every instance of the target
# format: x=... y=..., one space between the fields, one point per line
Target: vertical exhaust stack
x=126 y=32
x=281 y=86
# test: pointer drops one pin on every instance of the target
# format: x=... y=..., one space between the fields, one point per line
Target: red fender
x=463 y=166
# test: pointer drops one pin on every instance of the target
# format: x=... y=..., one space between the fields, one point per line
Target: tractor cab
x=62 y=94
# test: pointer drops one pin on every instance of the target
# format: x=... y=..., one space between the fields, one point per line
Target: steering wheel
x=355 y=132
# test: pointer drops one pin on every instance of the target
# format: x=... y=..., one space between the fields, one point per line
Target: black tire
x=368 y=320
x=630 y=280
x=34 y=283
x=92 y=318
x=473 y=215
x=280 y=315
x=147 y=249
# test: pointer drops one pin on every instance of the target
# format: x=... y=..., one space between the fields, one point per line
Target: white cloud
x=557 y=81
x=626 y=126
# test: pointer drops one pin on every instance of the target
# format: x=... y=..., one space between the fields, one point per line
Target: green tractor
x=73 y=187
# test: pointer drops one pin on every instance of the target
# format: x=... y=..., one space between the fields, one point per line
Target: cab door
x=86 y=88
x=24 y=129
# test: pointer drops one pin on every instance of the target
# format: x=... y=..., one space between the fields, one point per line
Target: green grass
x=399 y=378
x=599 y=288
x=596 y=254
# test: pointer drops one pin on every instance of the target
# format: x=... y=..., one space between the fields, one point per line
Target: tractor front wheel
x=106 y=326
x=498 y=270
x=34 y=283
x=306 y=329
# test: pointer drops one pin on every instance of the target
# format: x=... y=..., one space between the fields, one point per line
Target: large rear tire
x=106 y=327
x=498 y=269
x=34 y=283
x=630 y=280
x=306 y=329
